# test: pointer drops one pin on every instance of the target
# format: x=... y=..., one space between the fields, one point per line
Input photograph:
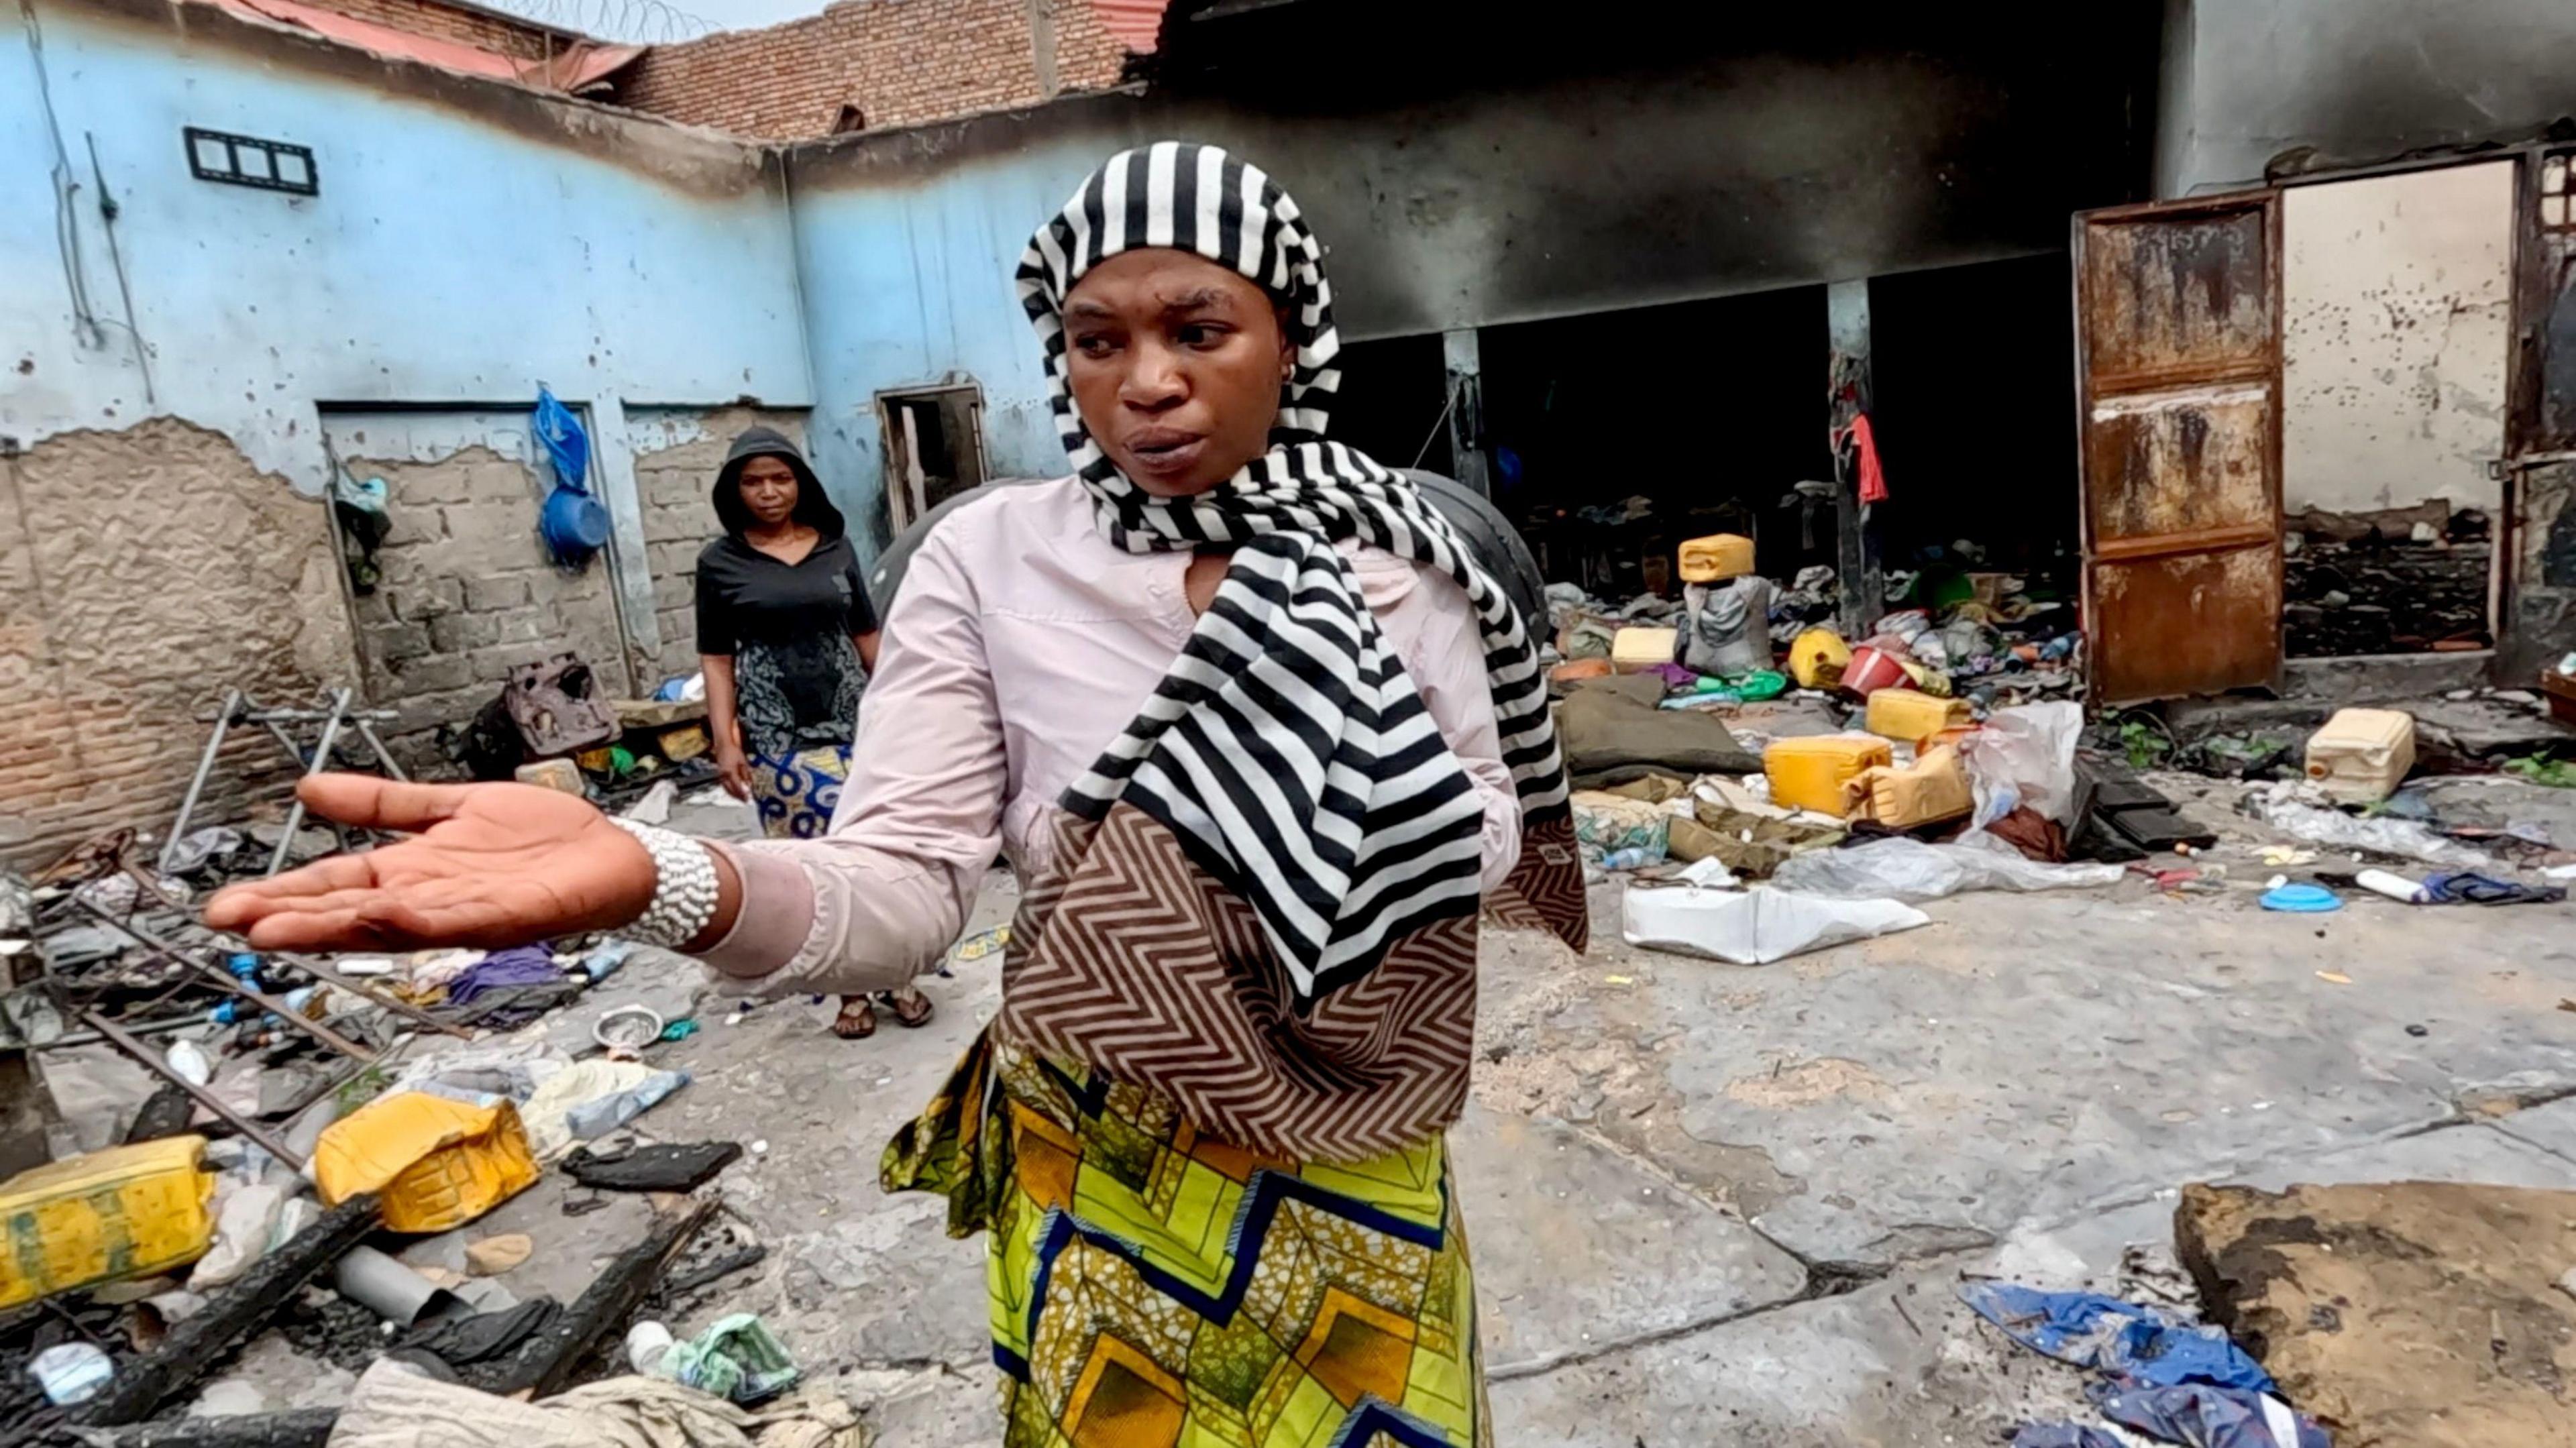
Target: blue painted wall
x=470 y=240
x=909 y=285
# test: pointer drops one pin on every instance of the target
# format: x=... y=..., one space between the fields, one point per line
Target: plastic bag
x=2025 y=755
x=1756 y=926
x=2282 y=809
x=1905 y=869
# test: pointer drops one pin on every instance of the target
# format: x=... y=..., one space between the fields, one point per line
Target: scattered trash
x=399 y=1294
x=1907 y=869
x=2361 y=755
x=1756 y=926
x=2206 y=1415
x=1910 y=716
x=737 y=1359
x=1932 y=789
x=2288 y=855
x=2281 y=807
x=2302 y=899
x=628 y=1028
x=590 y=1099
x=1635 y=650
x=2334 y=977
x=436 y=1162
x=2467 y=887
x=2026 y=756
x=495 y=1255
x=1814 y=772
x=125 y=1212
x=667 y=1168
x=655 y=807
x=464 y=1341
x=392 y=1401
x=981 y=944
x=72 y=1373
x=1608 y=825
x=2149 y=1346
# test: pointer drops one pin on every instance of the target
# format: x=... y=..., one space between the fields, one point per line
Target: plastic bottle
x=647 y=1343
x=1628 y=859
x=2395 y=887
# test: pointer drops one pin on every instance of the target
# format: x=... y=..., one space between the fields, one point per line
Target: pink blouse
x=1022 y=644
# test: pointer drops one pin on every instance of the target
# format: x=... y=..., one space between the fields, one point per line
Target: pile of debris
x=1845 y=784
x=224 y=1141
x=2403 y=581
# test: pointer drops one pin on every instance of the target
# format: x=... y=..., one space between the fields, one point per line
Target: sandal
x=912 y=1015
x=857 y=1020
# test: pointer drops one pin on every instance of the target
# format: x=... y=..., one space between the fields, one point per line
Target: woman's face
x=768 y=490
x=1176 y=366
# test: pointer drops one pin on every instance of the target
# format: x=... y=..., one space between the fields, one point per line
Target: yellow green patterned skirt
x=1153 y=1288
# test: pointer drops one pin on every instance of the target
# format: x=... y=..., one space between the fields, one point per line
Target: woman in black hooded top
x=786 y=636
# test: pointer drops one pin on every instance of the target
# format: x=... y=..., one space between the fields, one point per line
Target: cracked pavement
x=1724 y=1204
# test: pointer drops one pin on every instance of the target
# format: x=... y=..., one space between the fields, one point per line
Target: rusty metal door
x=2178 y=349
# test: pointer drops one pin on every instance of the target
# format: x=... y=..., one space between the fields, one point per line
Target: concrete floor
x=1721 y=1204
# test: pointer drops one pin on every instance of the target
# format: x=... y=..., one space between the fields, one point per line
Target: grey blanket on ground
x=394 y=1406
x=1607 y=724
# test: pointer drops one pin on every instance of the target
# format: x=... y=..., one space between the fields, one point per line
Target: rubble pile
x=2394 y=586
x=221 y=1143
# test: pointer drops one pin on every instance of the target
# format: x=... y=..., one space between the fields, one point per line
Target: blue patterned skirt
x=796 y=795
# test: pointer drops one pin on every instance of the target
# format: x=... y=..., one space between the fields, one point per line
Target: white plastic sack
x=245 y=1230
x=1756 y=926
x=1905 y=869
x=2025 y=755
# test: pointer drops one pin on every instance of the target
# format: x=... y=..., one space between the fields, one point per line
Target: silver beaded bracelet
x=684 y=887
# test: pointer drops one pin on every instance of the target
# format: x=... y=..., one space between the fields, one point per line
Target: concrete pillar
x=612 y=473
x=1848 y=395
x=1466 y=393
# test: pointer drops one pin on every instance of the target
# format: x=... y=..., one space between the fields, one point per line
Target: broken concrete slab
x=2418 y=1313
x=1894 y=1098
x=1896 y=1364
x=2550 y=1126
x=1576 y=1248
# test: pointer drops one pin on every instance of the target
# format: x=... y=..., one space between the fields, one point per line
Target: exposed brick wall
x=466 y=593
x=142 y=573
x=901 y=62
x=498 y=33
x=674 y=480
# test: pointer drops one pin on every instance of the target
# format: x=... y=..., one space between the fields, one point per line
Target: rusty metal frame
x=2088 y=385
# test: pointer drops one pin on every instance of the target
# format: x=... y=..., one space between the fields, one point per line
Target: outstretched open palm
x=487 y=865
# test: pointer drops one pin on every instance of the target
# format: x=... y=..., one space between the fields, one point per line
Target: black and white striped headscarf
x=1287 y=749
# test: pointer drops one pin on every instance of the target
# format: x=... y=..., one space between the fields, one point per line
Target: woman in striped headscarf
x=1258 y=735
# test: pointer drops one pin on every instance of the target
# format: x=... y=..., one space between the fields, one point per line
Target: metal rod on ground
x=327 y=974
x=388 y=1000
x=197 y=783
x=547 y=1361
x=321 y=762
x=92 y=1038
x=224 y=980
x=145 y=1057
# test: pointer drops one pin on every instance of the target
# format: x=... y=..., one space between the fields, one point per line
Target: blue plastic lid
x=2302 y=899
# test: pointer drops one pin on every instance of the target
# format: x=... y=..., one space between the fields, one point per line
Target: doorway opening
x=934 y=447
x=2396 y=340
x=1615 y=435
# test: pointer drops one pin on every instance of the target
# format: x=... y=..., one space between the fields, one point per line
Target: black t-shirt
x=797 y=676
